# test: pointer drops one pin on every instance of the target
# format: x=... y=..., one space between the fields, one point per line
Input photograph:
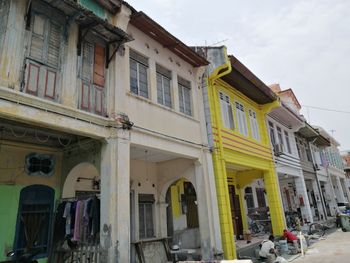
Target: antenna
x=219 y=42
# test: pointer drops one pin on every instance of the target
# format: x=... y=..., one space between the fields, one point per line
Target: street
x=335 y=248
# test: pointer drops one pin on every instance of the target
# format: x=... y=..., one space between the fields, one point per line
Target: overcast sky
x=300 y=44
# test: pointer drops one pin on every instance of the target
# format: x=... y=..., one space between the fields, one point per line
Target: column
x=226 y=224
x=301 y=192
x=275 y=202
x=319 y=200
x=115 y=200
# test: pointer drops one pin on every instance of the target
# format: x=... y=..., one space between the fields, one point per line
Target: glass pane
x=187 y=98
x=167 y=92
x=230 y=116
x=159 y=89
x=142 y=229
x=133 y=77
x=181 y=99
x=143 y=81
x=149 y=220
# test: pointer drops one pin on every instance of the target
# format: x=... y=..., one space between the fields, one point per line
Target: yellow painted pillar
x=275 y=202
x=226 y=225
x=243 y=210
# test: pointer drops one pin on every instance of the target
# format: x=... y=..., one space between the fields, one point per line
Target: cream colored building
x=108 y=97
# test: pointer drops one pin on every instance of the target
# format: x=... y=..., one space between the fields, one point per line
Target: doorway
x=236 y=212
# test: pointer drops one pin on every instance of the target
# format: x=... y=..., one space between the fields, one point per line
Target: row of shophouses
x=177 y=143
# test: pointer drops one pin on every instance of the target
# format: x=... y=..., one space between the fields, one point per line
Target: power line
x=325 y=109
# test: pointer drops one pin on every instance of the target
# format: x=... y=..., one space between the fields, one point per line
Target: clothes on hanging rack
x=77 y=220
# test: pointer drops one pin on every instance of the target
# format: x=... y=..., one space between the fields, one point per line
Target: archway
x=182 y=214
x=83 y=178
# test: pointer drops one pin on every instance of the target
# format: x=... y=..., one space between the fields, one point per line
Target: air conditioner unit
x=316 y=167
x=278 y=149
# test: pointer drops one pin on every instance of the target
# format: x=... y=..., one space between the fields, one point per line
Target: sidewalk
x=335 y=248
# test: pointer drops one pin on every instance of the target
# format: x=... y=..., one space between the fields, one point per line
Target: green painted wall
x=9 y=198
x=94 y=7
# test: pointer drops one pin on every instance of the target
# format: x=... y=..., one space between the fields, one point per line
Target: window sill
x=149 y=101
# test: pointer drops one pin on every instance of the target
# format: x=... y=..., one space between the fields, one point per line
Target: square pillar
x=301 y=192
x=275 y=202
x=339 y=192
x=115 y=200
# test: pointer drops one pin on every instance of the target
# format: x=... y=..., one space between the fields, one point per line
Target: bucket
x=283 y=246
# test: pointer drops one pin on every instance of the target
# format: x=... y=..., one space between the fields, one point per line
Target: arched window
x=34 y=219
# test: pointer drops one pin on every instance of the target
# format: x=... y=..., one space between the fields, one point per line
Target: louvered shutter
x=37 y=46
x=4 y=10
x=99 y=62
x=87 y=61
x=54 y=43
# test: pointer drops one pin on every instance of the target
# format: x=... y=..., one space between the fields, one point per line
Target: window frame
x=146 y=201
x=242 y=118
x=139 y=64
x=254 y=124
x=226 y=111
x=272 y=133
x=287 y=139
x=163 y=77
x=182 y=87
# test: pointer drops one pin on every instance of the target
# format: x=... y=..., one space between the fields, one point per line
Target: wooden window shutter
x=99 y=63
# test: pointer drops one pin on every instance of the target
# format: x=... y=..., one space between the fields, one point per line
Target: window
x=34 y=218
x=146 y=224
x=92 y=95
x=39 y=164
x=163 y=86
x=185 y=96
x=43 y=59
x=242 y=120
x=280 y=136
x=260 y=194
x=138 y=74
x=249 y=198
x=308 y=152
x=272 y=133
x=286 y=137
x=226 y=111
x=4 y=11
x=254 y=125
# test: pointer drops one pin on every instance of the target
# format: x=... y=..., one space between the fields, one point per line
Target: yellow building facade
x=238 y=103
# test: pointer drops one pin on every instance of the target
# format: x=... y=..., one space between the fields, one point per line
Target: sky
x=300 y=44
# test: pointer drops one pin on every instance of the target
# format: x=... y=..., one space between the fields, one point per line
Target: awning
x=242 y=79
x=88 y=20
x=144 y=23
x=311 y=134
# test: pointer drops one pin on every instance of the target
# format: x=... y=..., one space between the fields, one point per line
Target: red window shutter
x=99 y=63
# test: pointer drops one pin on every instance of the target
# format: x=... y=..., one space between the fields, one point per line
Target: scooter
x=23 y=257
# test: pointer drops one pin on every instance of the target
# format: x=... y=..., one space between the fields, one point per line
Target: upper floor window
x=242 y=119
x=226 y=110
x=138 y=74
x=272 y=133
x=286 y=137
x=254 y=125
x=185 y=96
x=163 y=86
x=92 y=73
x=43 y=57
x=280 y=136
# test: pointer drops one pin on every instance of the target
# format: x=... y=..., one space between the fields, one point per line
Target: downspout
x=218 y=160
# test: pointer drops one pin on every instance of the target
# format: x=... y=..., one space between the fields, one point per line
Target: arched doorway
x=82 y=179
x=182 y=214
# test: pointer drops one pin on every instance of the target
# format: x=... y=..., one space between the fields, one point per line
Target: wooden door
x=236 y=212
